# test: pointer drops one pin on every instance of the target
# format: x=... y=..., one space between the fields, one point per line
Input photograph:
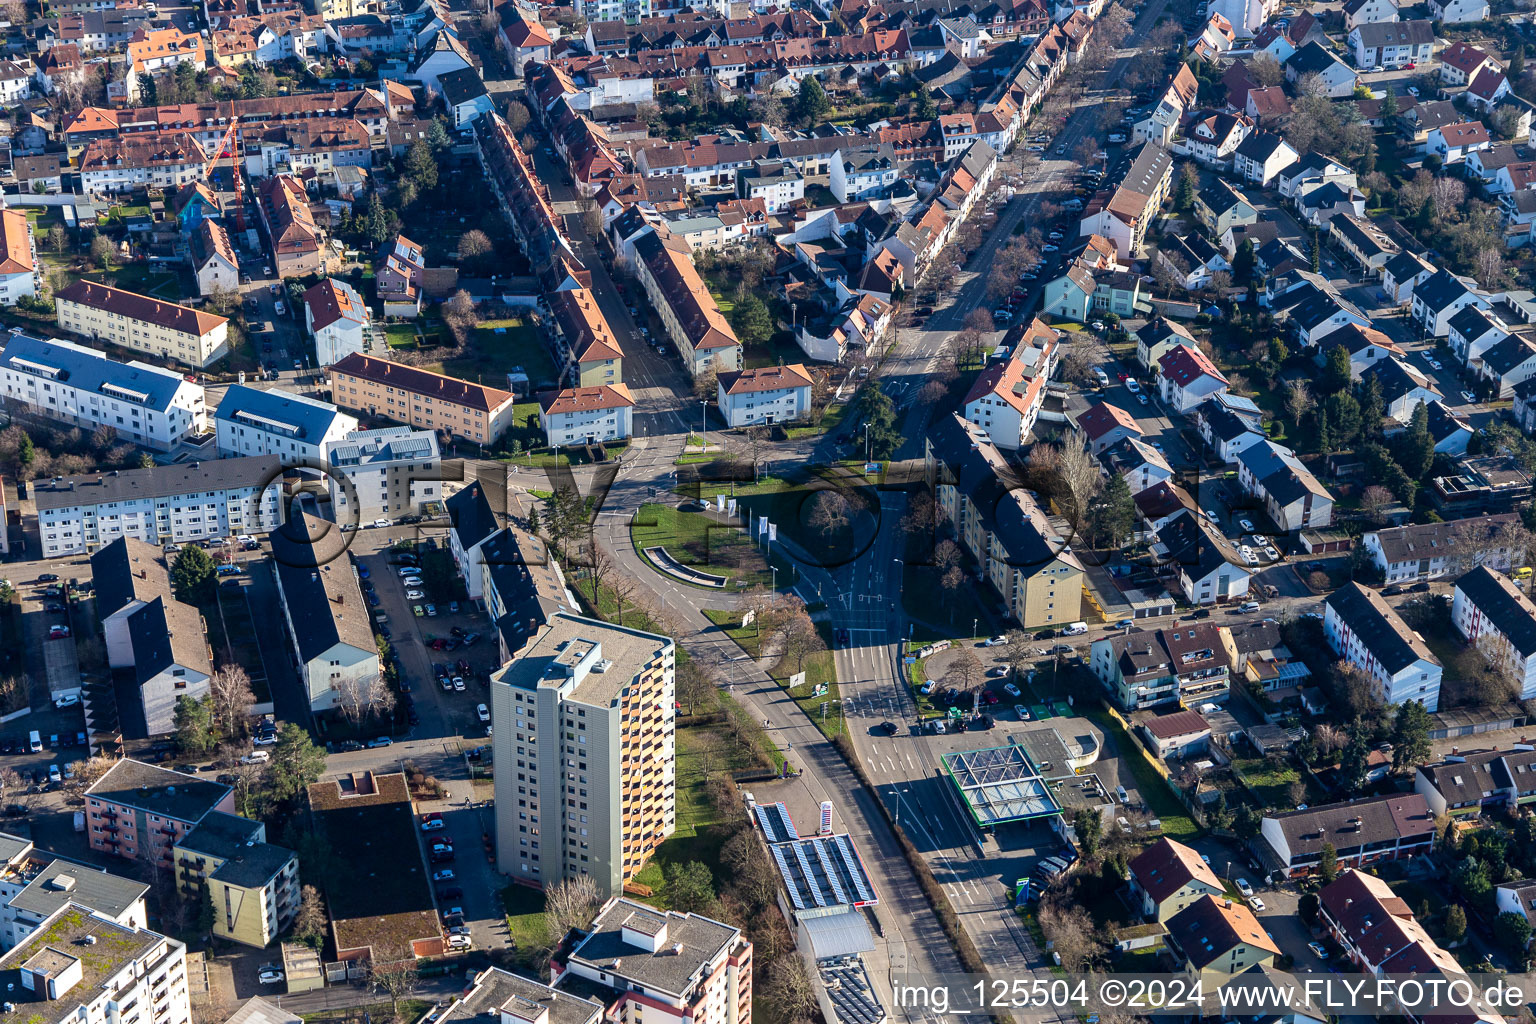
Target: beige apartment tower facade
x=585 y=744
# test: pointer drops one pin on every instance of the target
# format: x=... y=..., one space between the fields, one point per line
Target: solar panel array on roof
x=775 y=822
x=821 y=873
x=847 y=986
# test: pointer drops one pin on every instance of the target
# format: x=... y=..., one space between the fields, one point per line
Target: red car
x=1123 y=376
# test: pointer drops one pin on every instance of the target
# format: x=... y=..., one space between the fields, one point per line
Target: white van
x=1076 y=629
x=35 y=742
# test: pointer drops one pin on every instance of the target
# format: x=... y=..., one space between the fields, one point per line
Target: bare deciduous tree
x=570 y=904
x=392 y=970
x=231 y=698
x=360 y=699
x=830 y=511
x=1299 y=400
x=1374 y=501
x=1071 y=932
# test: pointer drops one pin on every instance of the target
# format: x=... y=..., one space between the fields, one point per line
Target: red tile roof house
x=1187 y=377
x=1167 y=876
x=1106 y=425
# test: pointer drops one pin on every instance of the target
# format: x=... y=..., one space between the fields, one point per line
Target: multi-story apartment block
x=166 y=160
x=152 y=326
x=328 y=621
x=179 y=503
x=293 y=427
x=1034 y=569
x=18 y=257
x=78 y=386
x=764 y=395
x=378 y=388
x=523 y=588
x=678 y=967
x=689 y=312
x=588 y=415
x=1379 y=934
x=80 y=967
x=389 y=472
x=1490 y=611
x=139 y=812
x=1368 y=633
x=293 y=237
x=1143 y=669
x=584 y=740
x=1430 y=550
x=337 y=318
x=1006 y=399
x=159 y=640
x=584 y=345
x=35 y=884
x=629 y=11
x=254 y=884
x=497 y=993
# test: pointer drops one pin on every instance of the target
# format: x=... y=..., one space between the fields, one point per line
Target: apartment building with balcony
x=139 y=812
x=1144 y=669
x=35 y=884
x=1495 y=615
x=514 y=999
x=585 y=347
x=254 y=884
x=1030 y=565
x=388 y=472
x=584 y=736
x=379 y=389
x=180 y=503
x=674 y=968
x=155 y=327
x=1369 y=633
x=80 y=967
x=294 y=427
x=80 y=387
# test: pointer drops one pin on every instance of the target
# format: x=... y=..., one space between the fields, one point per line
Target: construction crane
x=229 y=146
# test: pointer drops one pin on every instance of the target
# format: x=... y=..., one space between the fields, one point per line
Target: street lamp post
x=775 y=576
x=703 y=422
x=866 y=442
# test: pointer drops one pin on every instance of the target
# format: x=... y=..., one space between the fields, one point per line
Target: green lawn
x=702 y=754
x=526 y=924
x=698 y=541
x=495 y=347
x=1270 y=783
x=820 y=670
x=788 y=504
x=144 y=279
x=400 y=335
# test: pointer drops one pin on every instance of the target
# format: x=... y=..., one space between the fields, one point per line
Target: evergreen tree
x=296 y=762
x=1328 y=863
x=421 y=165
x=1278 y=352
x=751 y=321
x=1372 y=409
x=1516 y=65
x=1354 y=766
x=1410 y=736
x=811 y=102
x=192 y=575
x=1455 y=922
x=1324 y=435
x=1388 y=107
x=437 y=135
x=1336 y=374
x=924 y=108
x=1415 y=447
x=195 y=733
x=206 y=913
x=1315 y=251
x=1344 y=416
x=1184 y=198
x=1244 y=263
x=1112 y=516
x=375 y=223
x=880 y=415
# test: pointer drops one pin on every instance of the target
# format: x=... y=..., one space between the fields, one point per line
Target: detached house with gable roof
x=337 y=318
x=1187 y=377
x=1207 y=568
x=1453 y=142
x=18 y=257
x=1219 y=938
x=1104 y=425
x=1168 y=876
x=1292 y=496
